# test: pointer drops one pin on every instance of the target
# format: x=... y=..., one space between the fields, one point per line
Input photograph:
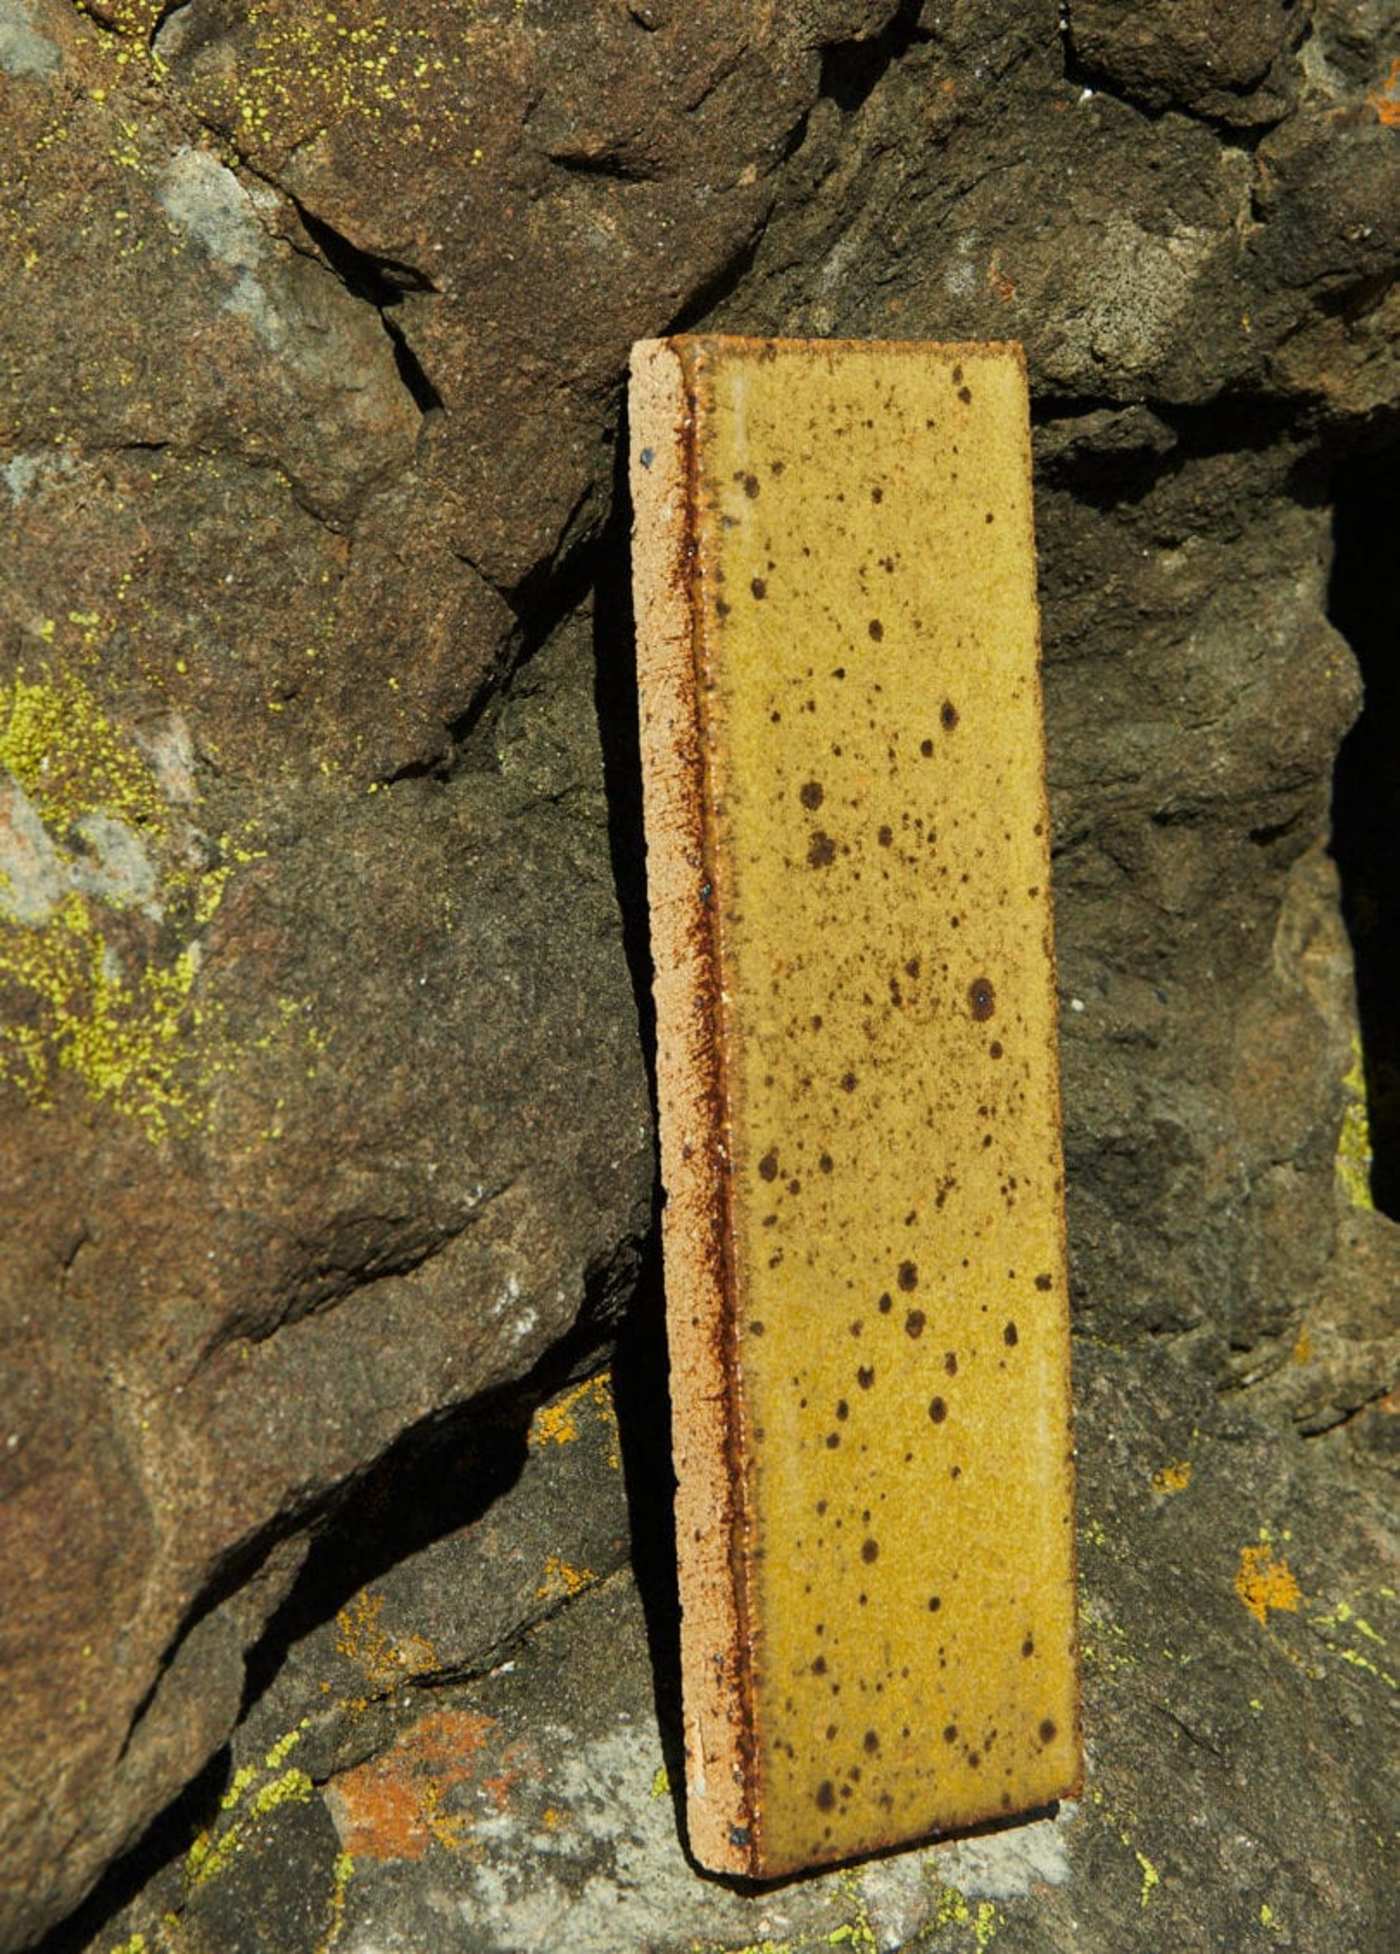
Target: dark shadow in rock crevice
x=641 y=1370
x=642 y=1397
x=1366 y=788
x=160 y=1848
x=853 y=70
x=382 y=283
x=619 y=733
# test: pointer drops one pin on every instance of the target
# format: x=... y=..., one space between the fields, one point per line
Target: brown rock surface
x=322 y=1106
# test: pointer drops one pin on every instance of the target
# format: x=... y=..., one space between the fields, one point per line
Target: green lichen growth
x=982 y=1921
x=1354 y=1154
x=340 y=1880
x=211 y=1854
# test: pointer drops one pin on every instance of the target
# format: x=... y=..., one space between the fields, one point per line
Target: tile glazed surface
x=849 y=858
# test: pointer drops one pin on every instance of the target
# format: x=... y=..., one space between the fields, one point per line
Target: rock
x=323 y=1118
x=1225 y=65
x=1233 y=1614
x=535 y=197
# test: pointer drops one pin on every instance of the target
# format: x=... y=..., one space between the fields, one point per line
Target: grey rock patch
x=169 y=746
x=1007 y=1865
x=122 y=873
x=32 y=877
x=24 y=52
x=24 y=472
x=209 y=204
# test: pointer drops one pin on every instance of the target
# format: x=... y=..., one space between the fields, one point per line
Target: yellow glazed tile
x=848 y=862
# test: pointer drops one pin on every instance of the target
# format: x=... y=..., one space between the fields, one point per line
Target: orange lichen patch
x=1303 y=1348
x=562 y=1580
x=1172 y=1478
x=393 y=1807
x=385 y=1659
x=1263 y=1583
x=557 y=1423
x=1386 y=100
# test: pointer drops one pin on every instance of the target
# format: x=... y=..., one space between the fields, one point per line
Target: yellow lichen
x=211 y=1852
x=661 y=1782
x=246 y=1775
x=133 y=1038
x=1264 y=1584
x=955 y=1910
x=1150 y=1877
x=70 y=759
x=557 y=1423
x=384 y=1659
x=1172 y=1478
x=340 y=1879
x=562 y=1580
x=122 y=1039
x=1354 y=1151
x=279 y=1752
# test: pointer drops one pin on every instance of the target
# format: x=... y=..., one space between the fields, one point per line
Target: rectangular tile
x=848 y=864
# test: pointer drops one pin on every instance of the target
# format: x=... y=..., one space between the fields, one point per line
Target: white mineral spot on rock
x=249 y=300
x=509 y=1294
x=209 y=204
x=22 y=50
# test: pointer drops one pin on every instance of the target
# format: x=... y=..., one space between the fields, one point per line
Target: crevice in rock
x=234 y=1570
x=436 y=1480
x=853 y=70
x=721 y=284
x=167 y=13
x=1366 y=789
x=619 y=729
x=439 y=1477
x=543 y=599
x=158 y=1851
x=1327 y=1424
x=383 y=283
x=606 y=164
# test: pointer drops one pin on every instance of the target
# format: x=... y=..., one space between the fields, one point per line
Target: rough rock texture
x=412 y=1779
x=323 y=1112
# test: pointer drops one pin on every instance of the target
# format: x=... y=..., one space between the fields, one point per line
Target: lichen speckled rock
x=838 y=669
x=307 y=444
x=408 y=1777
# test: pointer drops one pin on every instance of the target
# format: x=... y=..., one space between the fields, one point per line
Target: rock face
x=323 y=1110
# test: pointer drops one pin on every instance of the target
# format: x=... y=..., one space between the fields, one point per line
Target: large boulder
x=323 y=1118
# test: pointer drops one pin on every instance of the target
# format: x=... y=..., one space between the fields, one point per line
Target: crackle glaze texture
x=852 y=605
